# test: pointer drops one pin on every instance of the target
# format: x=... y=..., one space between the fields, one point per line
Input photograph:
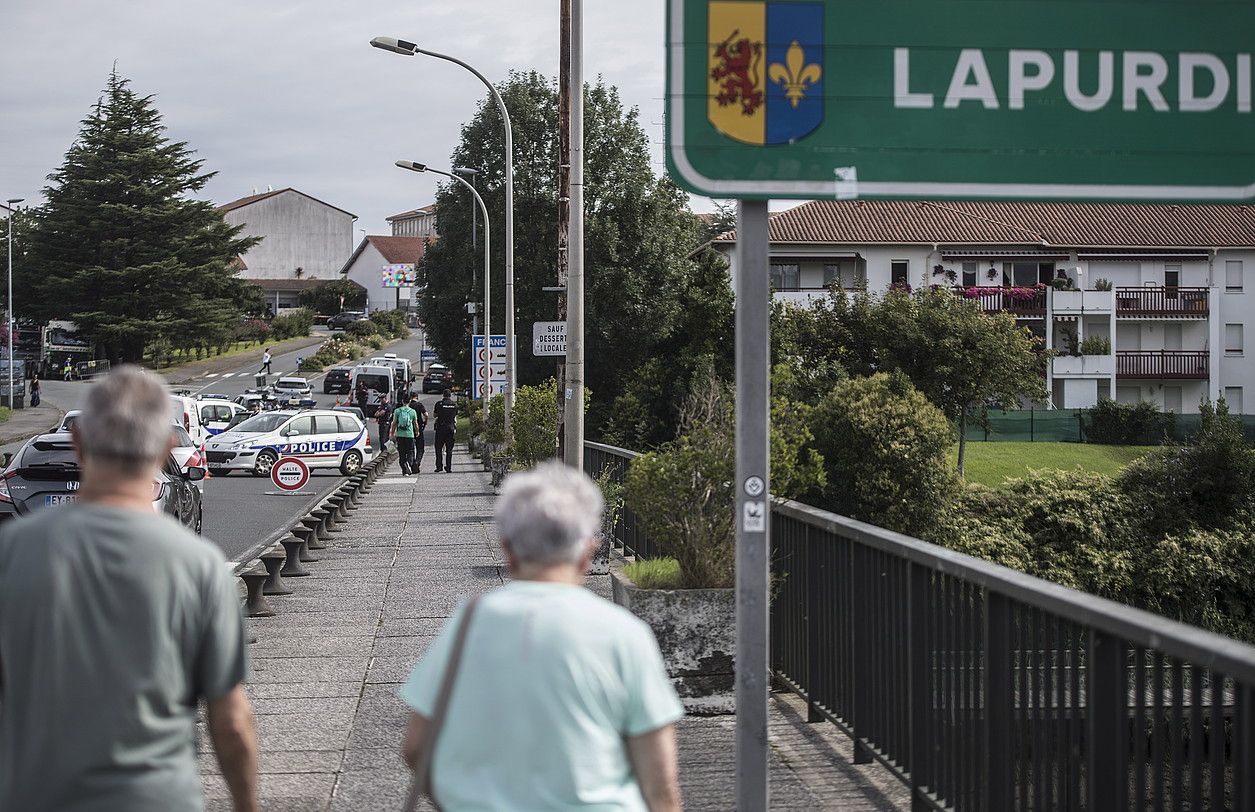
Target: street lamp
x=414 y=166
x=473 y=174
x=400 y=46
x=12 y=205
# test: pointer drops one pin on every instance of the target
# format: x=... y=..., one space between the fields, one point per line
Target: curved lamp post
x=400 y=46
x=414 y=166
x=12 y=206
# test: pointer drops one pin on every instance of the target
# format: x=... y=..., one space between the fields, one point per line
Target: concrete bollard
x=321 y=514
x=307 y=529
x=273 y=560
x=335 y=504
x=255 y=605
x=343 y=497
x=292 y=559
x=304 y=551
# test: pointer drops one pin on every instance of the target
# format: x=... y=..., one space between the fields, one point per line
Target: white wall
x=366 y=271
x=298 y=232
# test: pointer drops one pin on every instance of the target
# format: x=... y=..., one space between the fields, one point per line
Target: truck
x=62 y=341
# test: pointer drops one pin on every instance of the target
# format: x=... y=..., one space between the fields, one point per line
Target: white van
x=216 y=414
x=400 y=367
x=186 y=412
x=379 y=380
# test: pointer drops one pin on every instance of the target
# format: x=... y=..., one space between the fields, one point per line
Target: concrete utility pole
x=564 y=199
x=573 y=450
x=12 y=205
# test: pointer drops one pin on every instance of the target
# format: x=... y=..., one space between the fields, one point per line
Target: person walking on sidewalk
x=383 y=418
x=35 y=390
x=404 y=423
x=544 y=659
x=265 y=362
x=420 y=442
x=446 y=413
x=115 y=621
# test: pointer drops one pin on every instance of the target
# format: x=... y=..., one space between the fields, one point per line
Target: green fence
x=1070 y=426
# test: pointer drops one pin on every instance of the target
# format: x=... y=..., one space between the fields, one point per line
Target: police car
x=320 y=438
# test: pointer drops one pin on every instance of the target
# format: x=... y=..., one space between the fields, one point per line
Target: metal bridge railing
x=982 y=688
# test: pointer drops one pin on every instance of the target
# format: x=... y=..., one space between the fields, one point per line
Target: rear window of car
x=338 y=373
x=377 y=382
x=45 y=454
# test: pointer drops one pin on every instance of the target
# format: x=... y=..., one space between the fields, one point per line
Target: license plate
x=59 y=499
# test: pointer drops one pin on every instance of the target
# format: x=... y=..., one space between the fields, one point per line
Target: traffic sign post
x=1049 y=99
x=289 y=475
x=488 y=366
x=548 y=338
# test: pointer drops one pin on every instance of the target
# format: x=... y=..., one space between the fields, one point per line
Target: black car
x=341 y=320
x=45 y=473
x=337 y=381
x=437 y=379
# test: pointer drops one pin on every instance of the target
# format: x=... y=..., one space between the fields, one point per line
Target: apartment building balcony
x=1162 y=302
x=1083 y=366
x=1020 y=301
x=1077 y=302
x=801 y=296
x=1190 y=365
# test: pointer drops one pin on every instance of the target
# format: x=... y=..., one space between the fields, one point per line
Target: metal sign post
x=753 y=504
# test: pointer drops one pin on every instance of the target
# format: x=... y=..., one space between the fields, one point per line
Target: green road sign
x=1040 y=99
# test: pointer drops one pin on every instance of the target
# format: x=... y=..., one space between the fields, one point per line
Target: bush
x=375 y=342
x=253 y=330
x=534 y=423
x=363 y=329
x=1096 y=345
x=391 y=323
x=1102 y=284
x=1112 y=423
x=293 y=324
x=885 y=448
x=325 y=298
x=494 y=427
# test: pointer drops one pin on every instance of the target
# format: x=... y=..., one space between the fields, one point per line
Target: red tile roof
x=395 y=250
x=1074 y=225
x=245 y=201
x=413 y=213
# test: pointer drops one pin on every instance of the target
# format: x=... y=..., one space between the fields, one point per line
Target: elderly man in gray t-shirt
x=114 y=623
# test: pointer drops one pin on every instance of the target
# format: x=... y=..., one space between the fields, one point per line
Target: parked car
x=216 y=414
x=290 y=388
x=187 y=414
x=337 y=381
x=341 y=320
x=44 y=473
x=321 y=438
x=438 y=378
x=186 y=451
x=377 y=380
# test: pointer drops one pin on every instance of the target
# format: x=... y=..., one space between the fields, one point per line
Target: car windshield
x=262 y=423
x=291 y=383
x=377 y=382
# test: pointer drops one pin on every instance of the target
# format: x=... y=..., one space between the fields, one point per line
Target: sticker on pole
x=289 y=474
x=754 y=517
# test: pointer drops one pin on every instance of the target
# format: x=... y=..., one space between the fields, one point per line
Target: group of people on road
x=405 y=425
x=116 y=623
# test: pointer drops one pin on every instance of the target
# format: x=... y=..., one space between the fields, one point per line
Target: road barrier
x=255 y=605
x=273 y=560
x=983 y=688
x=292 y=547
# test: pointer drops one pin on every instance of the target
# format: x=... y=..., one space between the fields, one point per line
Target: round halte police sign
x=289 y=474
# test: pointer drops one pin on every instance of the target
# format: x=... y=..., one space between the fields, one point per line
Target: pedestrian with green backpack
x=404 y=424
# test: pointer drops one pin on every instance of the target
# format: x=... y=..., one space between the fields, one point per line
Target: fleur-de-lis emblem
x=795 y=74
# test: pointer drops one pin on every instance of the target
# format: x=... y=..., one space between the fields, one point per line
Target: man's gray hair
x=548 y=514
x=126 y=420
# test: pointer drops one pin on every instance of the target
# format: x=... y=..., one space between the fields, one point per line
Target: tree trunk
x=962 y=440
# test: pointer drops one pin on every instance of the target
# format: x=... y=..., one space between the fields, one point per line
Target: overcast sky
x=285 y=93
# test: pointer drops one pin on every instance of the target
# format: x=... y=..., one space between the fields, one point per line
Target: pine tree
x=119 y=246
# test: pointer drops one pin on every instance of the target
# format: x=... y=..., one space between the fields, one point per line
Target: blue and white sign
x=428 y=355
x=488 y=366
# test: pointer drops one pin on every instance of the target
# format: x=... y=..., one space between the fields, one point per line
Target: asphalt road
x=239 y=513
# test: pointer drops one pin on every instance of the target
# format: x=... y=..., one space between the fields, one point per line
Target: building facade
x=305 y=241
x=380 y=265
x=1158 y=302
x=414 y=223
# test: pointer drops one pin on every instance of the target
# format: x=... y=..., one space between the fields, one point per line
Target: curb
x=17 y=438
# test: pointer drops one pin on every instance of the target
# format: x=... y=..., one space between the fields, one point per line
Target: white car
x=186 y=452
x=185 y=412
x=216 y=415
x=320 y=438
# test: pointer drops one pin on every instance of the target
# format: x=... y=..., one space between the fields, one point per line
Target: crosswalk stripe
x=212 y=375
x=227 y=374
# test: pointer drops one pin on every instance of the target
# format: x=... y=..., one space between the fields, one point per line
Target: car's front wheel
x=351 y=463
x=265 y=461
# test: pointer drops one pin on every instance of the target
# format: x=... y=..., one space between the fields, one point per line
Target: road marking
x=227 y=374
x=211 y=375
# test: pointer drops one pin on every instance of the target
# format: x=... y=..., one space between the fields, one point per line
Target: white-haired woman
x=556 y=699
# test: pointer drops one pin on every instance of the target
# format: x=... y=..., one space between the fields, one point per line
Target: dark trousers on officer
x=405 y=450
x=444 y=443
x=420 y=447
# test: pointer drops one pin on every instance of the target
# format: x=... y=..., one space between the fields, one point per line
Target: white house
x=1165 y=285
x=415 y=222
x=305 y=241
x=380 y=264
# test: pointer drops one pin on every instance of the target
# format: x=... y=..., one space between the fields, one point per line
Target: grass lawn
x=5 y=413
x=991 y=463
x=175 y=360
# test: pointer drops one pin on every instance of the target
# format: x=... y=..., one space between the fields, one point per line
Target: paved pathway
x=326 y=669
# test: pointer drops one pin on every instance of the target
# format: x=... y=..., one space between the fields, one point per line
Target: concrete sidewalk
x=26 y=423
x=326 y=669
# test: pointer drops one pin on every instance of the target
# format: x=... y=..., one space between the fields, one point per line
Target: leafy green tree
x=638 y=234
x=120 y=248
x=330 y=298
x=885 y=448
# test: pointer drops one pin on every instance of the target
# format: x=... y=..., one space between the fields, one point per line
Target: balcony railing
x=1172 y=364
x=1161 y=301
x=982 y=688
x=1022 y=301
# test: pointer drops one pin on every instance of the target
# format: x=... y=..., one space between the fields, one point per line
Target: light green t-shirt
x=405 y=419
x=551 y=681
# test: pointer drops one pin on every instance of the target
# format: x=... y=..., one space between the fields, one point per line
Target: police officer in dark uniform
x=446 y=414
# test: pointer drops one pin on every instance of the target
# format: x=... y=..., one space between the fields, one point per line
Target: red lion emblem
x=737 y=73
